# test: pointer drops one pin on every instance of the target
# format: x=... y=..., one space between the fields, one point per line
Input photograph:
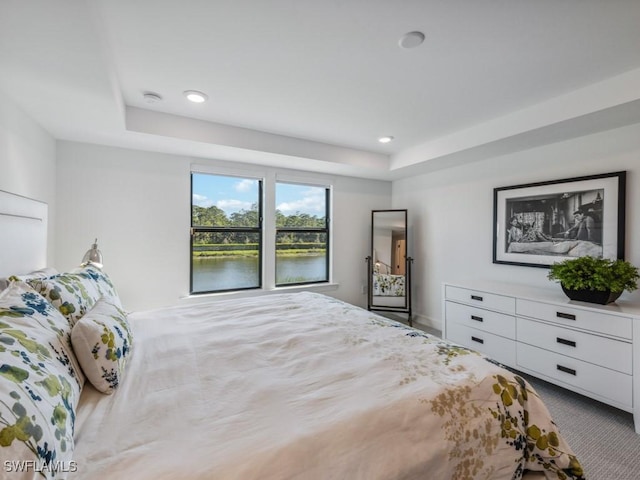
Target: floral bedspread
x=303 y=386
x=387 y=285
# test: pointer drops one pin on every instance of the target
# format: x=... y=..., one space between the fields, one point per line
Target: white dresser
x=583 y=347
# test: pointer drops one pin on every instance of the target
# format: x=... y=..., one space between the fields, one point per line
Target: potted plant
x=595 y=280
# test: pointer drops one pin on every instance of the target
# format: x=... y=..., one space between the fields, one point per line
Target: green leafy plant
x=590 y=273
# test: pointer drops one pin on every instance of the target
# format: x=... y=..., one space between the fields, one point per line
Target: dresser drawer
x=485 y=320
x=605 y=383
x=595 y=321
x=499 y=348
x=482 y=299
x=605 y=352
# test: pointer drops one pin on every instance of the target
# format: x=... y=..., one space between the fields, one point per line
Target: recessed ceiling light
x=411 y=39
x=150 y=97
x=385 y=139
x=195 y=96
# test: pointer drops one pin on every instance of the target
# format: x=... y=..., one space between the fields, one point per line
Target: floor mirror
x=388 y=265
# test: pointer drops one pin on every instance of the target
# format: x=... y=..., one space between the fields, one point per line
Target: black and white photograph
x=541 y=223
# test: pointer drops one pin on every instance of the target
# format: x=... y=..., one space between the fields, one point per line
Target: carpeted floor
x=602 y=437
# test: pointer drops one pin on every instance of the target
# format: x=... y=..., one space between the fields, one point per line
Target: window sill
x=317 y=287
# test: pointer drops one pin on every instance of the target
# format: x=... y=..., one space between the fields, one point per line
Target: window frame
x=326 y=230
x=259 y=229
x=269 y=176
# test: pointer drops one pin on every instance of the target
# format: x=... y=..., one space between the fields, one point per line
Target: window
x=302 y=234
x=226 y=233
x=265 y=231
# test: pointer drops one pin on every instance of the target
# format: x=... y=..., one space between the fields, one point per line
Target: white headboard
x=23 y=234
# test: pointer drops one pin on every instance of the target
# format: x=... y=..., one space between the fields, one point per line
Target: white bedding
x=383 y=301
x=284 y=387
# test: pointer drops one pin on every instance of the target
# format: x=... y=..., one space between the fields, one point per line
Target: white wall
x=27 y=161
x=451 y=211
x=137 y=204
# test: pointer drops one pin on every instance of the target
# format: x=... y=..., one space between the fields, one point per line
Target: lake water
x=242 y=272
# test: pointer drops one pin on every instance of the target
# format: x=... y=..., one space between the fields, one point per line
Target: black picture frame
x=538 y=224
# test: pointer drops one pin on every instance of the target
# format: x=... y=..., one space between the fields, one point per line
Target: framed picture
x=542 y=223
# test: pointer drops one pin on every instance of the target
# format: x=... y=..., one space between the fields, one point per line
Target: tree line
x=216 y=217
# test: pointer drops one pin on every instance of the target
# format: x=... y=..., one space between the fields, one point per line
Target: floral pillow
x=102 y=341
x=40 y=385
x=101 y=280
x=72 y=293
x=42 y=273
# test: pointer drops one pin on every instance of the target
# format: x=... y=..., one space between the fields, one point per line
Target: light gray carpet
x=602 y=437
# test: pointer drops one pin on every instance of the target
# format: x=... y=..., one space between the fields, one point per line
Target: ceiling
x=312 y=84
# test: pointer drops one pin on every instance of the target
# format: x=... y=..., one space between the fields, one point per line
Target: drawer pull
x=477 y=318
x=566 y=369
x=476 y=339
x=565 y=342
x=568 y=316
x=476 y=297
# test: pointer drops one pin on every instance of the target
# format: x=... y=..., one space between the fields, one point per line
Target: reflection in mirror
x=389 y=267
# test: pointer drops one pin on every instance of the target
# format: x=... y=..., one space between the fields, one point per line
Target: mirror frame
x=406 y=308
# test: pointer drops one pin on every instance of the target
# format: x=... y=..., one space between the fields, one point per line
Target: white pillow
x=102 y=342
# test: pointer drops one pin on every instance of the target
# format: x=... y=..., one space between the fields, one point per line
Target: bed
x=283 y=386
x=567 y=248
x=388 y=285
x=388 y=290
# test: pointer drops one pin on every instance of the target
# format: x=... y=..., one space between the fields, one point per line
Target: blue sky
x=233 y=194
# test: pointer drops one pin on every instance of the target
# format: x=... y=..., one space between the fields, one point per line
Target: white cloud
x=229 y=205
x=312 y=202
x=232 y=205
x=244 y=185
x=202 y=200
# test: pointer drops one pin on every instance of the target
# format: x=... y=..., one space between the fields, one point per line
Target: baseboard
x=427 y=322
